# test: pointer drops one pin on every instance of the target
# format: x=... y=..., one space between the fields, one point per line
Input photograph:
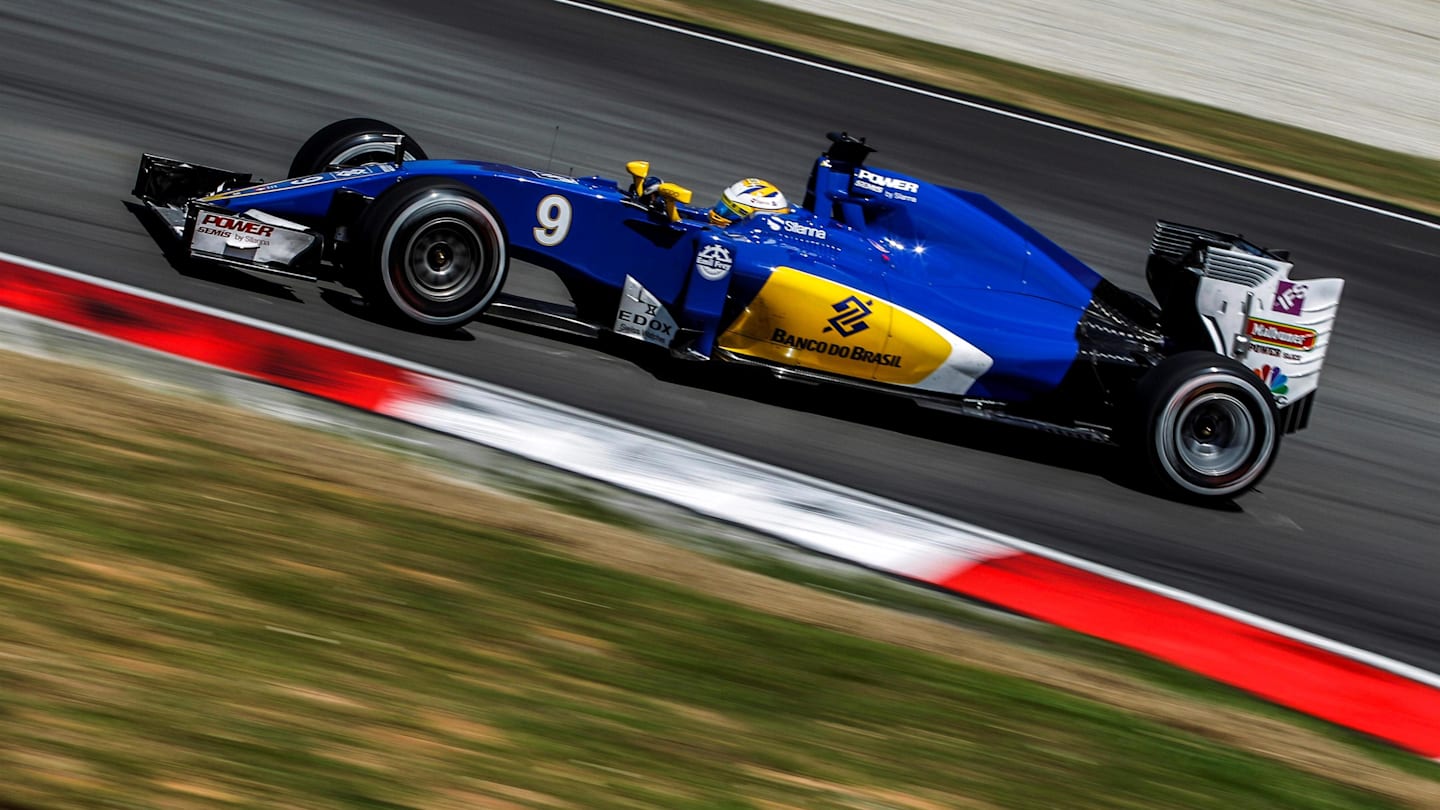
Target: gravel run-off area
x=1366 y=71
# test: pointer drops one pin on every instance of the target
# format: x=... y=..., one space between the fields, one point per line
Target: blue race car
x=877 y=280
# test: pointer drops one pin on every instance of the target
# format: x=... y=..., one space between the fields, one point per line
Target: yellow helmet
x=746 y=198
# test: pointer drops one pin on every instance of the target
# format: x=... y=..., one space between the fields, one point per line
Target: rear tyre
x=430 y=251
x=1204 y=426
x=352 y=142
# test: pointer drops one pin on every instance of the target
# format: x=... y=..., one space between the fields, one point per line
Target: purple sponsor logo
x=1289 y=297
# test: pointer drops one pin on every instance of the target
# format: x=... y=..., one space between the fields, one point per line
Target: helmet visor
x=730 y=213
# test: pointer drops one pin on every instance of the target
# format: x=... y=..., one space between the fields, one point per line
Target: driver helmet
x=746 y=198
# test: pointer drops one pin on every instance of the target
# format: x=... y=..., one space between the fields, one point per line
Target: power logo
x=237 y=225
x=870 y=181
x=851 y=319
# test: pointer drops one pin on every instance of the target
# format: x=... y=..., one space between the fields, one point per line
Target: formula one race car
x=877 y=280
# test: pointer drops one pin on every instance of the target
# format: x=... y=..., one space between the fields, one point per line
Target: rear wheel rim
x=1214 y=435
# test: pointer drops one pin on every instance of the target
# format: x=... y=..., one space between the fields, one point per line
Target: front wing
x=175 y=190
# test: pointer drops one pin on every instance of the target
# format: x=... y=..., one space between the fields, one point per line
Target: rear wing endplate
x=1254 y=311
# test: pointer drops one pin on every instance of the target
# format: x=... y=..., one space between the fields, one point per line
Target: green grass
x=1403 y=179
x=198 y=610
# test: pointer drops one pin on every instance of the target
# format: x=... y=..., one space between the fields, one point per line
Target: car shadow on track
x=356 y=307
x=901 y=416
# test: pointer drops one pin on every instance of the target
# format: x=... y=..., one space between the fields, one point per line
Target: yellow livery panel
x=802 y=320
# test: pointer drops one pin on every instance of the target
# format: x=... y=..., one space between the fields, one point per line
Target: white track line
x=976 y=105
x=661 y=441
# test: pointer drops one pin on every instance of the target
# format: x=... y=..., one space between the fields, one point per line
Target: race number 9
x=553 y=214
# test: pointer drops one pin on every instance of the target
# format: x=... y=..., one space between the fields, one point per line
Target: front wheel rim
x=444 y=260
x=365 y=153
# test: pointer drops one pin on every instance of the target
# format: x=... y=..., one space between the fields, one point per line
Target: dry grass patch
x=454 y=643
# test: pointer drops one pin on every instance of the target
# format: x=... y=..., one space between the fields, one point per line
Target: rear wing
x=1253 y=311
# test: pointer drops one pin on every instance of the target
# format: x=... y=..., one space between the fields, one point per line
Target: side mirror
x=672 y=194
x=639 y=170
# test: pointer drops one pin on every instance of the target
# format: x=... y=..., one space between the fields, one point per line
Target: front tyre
x=430 y=251
x=352 y=142
x=1205 y=426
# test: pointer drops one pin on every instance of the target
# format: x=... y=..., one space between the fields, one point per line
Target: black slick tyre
x=430 y=251
x=1204 y=426
x=352 y=142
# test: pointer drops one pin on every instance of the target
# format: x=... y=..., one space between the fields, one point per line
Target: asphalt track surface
x=1343 y=539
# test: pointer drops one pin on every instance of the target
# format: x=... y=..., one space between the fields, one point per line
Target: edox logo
x=851 y=319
